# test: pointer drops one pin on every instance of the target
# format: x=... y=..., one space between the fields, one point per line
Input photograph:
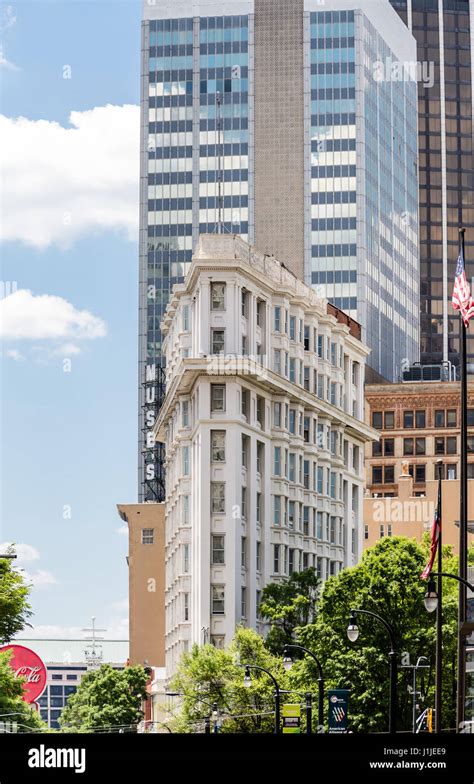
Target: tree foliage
x=14 y=607
x=106 y=698
x=287 y=605
x=207 y=675
x=386 y=581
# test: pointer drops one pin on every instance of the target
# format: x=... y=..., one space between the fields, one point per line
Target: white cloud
x=24 y=316
x=73 y=181
x=7 y=17
x=122 y=530
x=116 y=630
x=12 y=353
x=26 y=553
x=4 y=63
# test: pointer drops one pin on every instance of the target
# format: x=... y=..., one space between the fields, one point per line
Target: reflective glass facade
x=443 y=31
x=364 y=211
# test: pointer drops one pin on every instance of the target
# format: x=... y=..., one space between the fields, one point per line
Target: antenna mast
x=93 y=652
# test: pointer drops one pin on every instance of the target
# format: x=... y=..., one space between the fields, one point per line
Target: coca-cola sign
x=26 y=664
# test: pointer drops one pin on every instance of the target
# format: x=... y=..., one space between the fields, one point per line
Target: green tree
x=386 y=581
x=287 y=605
x=106 y=698
x=207 y=675
x=14 y=607
x=12 y=706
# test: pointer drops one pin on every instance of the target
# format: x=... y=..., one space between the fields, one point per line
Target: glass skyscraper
x=269 y=119
x=444 y=31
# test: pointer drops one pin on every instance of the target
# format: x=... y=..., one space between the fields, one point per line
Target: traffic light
x=429 y=719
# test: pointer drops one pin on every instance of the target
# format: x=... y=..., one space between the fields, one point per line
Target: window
x=470 y=470
x=389 y=447
x=320 y=480
x=217 y=341
x=243 y=603
x=244 y=346
x=291 y=471
x=217 y=542
x=320 y=346
x=389 y=474
x=243 y=503
x=470 y=444
x=185 y=413
x=277 y=415
x=277 y=321
x=451 y=471
x=277 y=361
x=366 y=531
x=186 y=606
x=217 y=497
x=332 y=484
x=292 y=327
x=382 y=531
x=377 y=448
x=260 y=457
x=420 y=473
x=306 y=430
x=306 y=382
x=408 y=446
x=260 y=313
x=245 y=403
x=291 y=514
x=186 y=509
x=451 y=418
x=305 y=520
x=470 y=417
x=277 y=461
x=389 y=529
x=333 y=393
x=57 y=677
x=292 y=370
x=292 y=425
x=148 y=535
x=185 y=318
x=420 y=418
x=276 y=558
x=439 y=445
x=261 y=411
x=217 y=599
x=245 y=459
x=217 y=296
x=389 y=420
x=332 y=530
x=291 y=560
x=451 y=445
x=276 y=510
x=217 y=397
x=217 y=446
x=258 y=554
x=440 y=419
x=243 y=552
x=243 y=302
x=376 y=475
x=259 y=508
x=377 y=420
x=186 y=558
x=185 y=457
x=306 y=474
x=420 y=446
x=306 y=338
x=408 y=419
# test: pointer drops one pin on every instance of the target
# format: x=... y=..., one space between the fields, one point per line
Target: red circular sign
x=26 y=664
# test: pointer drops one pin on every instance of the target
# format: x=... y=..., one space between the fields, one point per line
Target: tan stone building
x=146 y=564
x=419 y=423
x=410 y=515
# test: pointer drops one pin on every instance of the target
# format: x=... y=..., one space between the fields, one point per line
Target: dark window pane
x=377 y=420
x=439 y=446
x=376 y=475
x=420 y=418
x=420 y=446
x=452 y=445
x=376 y=448
x=389 y=447
x=389 y=420
x=408 y=446
x=389 y=474
x=420 y=473
x=452 y=418
x=439 y=419
x=408 y=419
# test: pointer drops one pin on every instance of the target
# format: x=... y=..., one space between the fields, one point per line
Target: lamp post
x=288 y=663
x=248 y=683
x=432 y=602
x=353 y=633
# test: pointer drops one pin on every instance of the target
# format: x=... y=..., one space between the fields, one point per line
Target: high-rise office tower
x=276 y=120
x=444 y=31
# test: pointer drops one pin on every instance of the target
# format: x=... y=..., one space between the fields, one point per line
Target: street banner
x=338 y=705
x=291 y=714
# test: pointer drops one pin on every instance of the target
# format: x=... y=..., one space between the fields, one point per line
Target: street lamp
x=431 y=596
x=288 y=663
x=248 y=683
x=353 y=633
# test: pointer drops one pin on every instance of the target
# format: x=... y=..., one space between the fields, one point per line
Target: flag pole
x=462 y=519
x=439 y=608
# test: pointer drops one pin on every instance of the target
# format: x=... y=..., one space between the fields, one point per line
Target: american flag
x=435 y=532
x=462 y=299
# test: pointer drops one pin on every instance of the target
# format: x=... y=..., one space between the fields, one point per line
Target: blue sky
x=69 y=355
